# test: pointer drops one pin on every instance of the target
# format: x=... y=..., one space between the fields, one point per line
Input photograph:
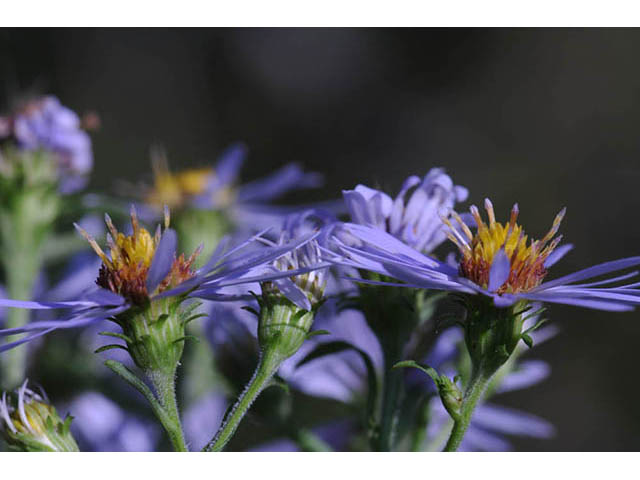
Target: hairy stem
x=165 y=387
x=21 y=268
x=475 y=391
x=267 y=367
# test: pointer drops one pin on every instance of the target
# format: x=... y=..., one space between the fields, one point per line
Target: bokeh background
x=545 y=118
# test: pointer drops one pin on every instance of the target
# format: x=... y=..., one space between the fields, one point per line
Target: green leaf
x=330 y=348
x=423 y=368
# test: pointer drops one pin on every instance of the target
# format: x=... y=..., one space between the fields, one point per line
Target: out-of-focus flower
x=415 y=220
x=44 y=124
x=203 y=417
x=100 y=425
x=216 y=188
x=31 y=424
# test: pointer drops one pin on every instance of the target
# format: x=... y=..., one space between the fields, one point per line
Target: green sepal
x=337 y=346
x=315 y=333
x=298 y=315
x=121 y=336
x=111 y=346
x=251 y=310
x=527 y=340
x=65 y=427
x=187 y=337
x=193 y=317
x=190 y=309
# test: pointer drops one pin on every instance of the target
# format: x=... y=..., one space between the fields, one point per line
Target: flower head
x=414 y=220
x=125 y=271
x=503 y=246
x=32 y=424
x=44 y=124
x=217 y=187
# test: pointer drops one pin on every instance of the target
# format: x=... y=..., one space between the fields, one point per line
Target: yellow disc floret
x=175 y=189
x=526 y=260
x=126 y=268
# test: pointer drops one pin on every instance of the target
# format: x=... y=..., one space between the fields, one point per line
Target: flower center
x=126 y=268
x=526 y=260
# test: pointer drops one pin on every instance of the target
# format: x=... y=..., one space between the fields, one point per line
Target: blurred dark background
x=547 y=118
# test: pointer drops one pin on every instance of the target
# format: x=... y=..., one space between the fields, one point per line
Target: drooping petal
x=500 y=269
x=293 y=293
x=162 y=259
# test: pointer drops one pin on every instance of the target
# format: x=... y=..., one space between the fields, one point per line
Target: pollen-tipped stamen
x=526 y=262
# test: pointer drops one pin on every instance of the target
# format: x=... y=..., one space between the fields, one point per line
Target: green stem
x=392 y=389
x=475 y=391
x=165 y=387
x=389 y=414
x=267 y=367
x=21 y=269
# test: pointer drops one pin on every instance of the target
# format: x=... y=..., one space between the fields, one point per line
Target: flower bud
x=450 y=395
x=31 y=424
x=282 y=326
x=288 y=305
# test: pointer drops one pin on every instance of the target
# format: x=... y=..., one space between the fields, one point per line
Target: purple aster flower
x=414 y=220
x=203 y=417
x=497 y=262
x=45 y=124
x=142 y=267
